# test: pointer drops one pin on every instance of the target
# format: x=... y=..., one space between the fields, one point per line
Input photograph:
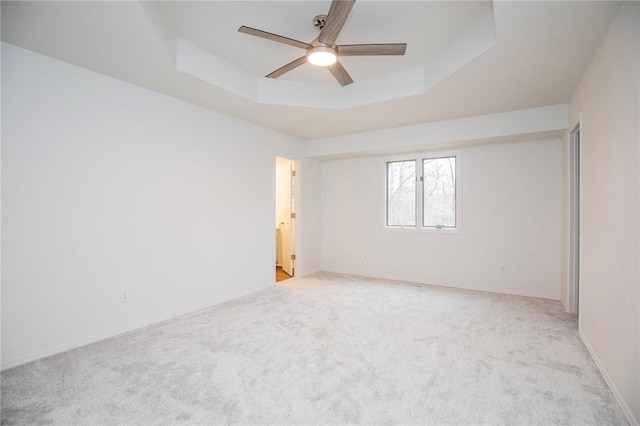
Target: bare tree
x=439 y=198
x=401 y=190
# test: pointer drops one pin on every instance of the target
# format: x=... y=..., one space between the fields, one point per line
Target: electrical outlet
x=502 y=269
x=124 y=297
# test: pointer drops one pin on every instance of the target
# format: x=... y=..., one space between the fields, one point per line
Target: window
x=439 y=192
x=423 y=192
x=401 y=193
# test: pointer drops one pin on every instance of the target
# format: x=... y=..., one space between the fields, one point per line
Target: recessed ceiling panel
x=425 y=26
x=540 y=52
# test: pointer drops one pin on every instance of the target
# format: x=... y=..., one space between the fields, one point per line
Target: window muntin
x=439 y=192
x=401 y=193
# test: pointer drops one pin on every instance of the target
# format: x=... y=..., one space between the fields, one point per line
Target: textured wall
x=511 y=216
x=108 y=187
x=607 y=98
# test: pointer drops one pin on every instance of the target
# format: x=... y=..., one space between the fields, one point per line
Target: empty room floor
x=329 y=349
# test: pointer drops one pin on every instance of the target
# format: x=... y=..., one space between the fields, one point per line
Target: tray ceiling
x=536 y=57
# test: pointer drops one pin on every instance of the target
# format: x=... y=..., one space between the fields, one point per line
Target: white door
x=285 y=185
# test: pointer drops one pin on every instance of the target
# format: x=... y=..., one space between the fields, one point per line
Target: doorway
x=574 y=220
x=285 y=218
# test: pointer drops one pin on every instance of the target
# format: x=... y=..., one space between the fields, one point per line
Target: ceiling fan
x=323 y=51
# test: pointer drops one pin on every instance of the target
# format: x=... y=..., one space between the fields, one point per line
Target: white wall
x=108 y=187
x=530 y=124
x=283 y=186
x=511 y=216
x=308 y=229
x=607 y=97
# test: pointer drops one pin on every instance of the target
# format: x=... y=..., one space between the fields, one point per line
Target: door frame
x=295 y=196
x=575 y=195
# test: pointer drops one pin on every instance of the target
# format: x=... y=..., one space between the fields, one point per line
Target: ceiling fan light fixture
x=323 y=51
x=322 y=56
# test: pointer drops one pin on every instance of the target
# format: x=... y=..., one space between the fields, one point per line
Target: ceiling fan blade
x=372 y=49
x=273 y=37
x=338 y=13
x=285 y=69
x=340 y=74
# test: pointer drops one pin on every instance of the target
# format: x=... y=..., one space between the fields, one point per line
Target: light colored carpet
x=329 y=349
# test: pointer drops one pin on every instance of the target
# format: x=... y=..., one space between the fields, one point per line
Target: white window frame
x=418 y=158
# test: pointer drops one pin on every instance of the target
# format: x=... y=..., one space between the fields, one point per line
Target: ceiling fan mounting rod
x=318 y=21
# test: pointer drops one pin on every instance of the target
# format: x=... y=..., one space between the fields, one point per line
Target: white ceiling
x=540 y=52
x=425 y=26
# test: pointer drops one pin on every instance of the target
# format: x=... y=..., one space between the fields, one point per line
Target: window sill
x=422 y=230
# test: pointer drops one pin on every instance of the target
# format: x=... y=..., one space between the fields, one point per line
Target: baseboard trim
x=555 y=297
x=623 y=405
x=74 y=344
x=505 y=291
x=307 y=273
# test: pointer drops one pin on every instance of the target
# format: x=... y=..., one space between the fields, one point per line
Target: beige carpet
x=329 y=349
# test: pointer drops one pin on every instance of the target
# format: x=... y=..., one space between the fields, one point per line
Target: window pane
x=439 y=208
x=401 y=193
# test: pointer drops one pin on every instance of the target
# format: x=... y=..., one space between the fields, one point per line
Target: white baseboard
x=505 y=291
x=461 y=287
x=121 y=330
x=623 y=405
